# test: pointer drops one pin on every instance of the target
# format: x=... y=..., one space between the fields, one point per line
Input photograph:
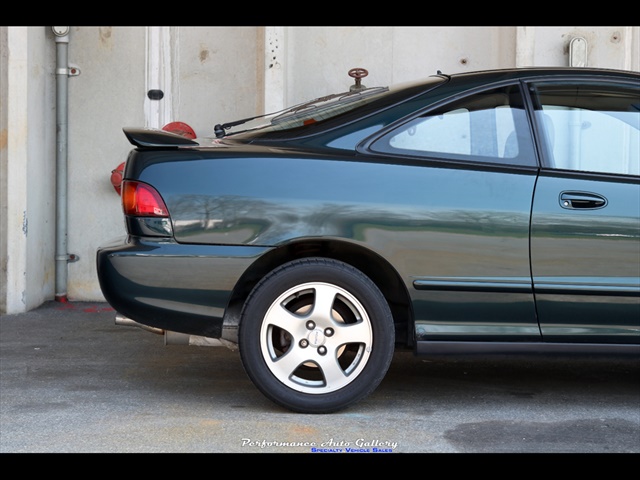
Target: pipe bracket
x=72 y=257
x=70 y=71
x=73 y=71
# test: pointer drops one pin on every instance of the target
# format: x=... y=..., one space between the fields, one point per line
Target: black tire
x=309 y=359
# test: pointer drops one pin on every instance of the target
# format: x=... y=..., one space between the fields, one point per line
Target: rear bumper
x=171 y=286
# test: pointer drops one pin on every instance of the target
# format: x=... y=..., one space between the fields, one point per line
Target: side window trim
x=380 y=145
x=573 y=137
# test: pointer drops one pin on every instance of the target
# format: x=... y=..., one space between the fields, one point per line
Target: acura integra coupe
x=493 y=212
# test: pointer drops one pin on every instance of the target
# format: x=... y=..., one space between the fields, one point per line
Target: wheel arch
x=378 y=269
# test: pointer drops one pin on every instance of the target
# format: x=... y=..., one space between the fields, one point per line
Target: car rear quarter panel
x=464 y=228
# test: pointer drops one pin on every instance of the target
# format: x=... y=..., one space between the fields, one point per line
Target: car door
x=585 y=233
x=465 y=255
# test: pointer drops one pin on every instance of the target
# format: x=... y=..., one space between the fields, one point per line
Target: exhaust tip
x=122 y=320
x=177 y=338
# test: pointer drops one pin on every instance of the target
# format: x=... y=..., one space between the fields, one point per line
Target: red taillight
x=142 y=200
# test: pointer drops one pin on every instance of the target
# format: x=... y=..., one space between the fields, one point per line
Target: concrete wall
x=27 y=146
x=608 y=47
x=208 y=75
x=107 y=95
x=4 y=61
x=318 y=58
x=218 y=75
x=213 y=76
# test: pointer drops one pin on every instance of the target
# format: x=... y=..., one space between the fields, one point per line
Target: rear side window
x=488 y=127
x=590 y=127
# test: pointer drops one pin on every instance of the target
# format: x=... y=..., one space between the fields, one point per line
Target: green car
x=493 y=212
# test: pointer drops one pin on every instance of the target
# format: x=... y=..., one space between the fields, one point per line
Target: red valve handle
x=358 y=72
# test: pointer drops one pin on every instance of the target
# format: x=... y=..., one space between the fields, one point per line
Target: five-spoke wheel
x=316 y=335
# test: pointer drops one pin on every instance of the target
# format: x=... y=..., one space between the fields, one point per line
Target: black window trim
x=532 y=104
x=365 y=147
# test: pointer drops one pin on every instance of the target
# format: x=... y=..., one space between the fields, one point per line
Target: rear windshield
x=316 y=111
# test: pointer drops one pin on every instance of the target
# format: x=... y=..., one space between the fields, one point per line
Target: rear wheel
x=316 y=335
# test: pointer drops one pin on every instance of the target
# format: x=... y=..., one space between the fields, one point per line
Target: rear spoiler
x=152 y=137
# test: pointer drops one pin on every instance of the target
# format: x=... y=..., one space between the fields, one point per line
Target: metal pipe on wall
x=62 y=74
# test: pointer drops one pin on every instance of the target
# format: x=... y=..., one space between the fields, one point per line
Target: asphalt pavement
x=72 y=381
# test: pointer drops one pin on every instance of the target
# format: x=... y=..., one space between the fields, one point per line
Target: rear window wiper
x=221 y=128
